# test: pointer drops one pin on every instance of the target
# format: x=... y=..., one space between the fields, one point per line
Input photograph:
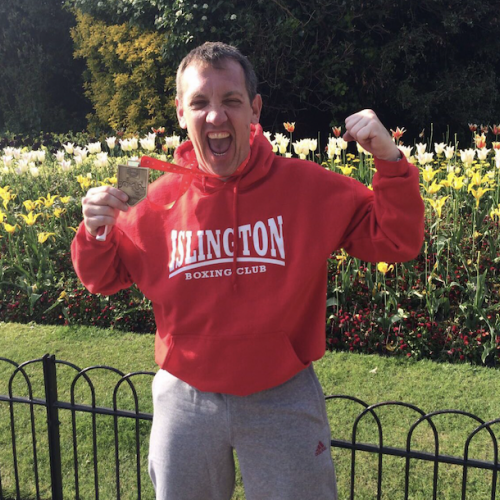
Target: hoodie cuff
x=397 y=168
x=89 y=238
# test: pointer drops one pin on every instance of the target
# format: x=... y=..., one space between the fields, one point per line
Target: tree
x=127 y=81
x=415 y=62
x=41 y=85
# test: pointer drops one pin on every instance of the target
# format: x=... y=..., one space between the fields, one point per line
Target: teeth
x=218 y=135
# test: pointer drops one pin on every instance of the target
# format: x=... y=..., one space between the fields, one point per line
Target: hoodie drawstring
x=235 y=232
x=187 y=176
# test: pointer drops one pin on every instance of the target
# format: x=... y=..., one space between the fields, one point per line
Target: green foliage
x=40 y=82
x=415 y=62
x=442 y=306
x=127 y=81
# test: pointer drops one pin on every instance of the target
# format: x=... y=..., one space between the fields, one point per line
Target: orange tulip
x=289 y=127
x=398 y=133
x=480 y=141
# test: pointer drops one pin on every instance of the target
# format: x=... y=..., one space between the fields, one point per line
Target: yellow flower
x=59 y=211
x=84 y=181
x=62 y=295
x=108 y=181
x=347 y=170
x=383 y=267
x=342 y=257
x=49 y=201
x=6 y=195
x=448 y=182
x=29 y=205
x=31 y=218
x=428 y=174
x=495 y=213
x=10 y=229
x=433 y=188
x=475 y=180
x=438 y=204
x=478 y=194
x=3 y=216
x=65 y=199
x=73 y=229
x=42 y=237
x=458 y=183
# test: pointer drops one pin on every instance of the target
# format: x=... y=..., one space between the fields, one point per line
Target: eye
x=198 y=104
x=233 y=102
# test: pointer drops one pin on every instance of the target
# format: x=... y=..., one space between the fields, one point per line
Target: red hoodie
x=239 y=325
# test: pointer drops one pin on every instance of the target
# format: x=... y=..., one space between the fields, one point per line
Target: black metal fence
x=81 y=448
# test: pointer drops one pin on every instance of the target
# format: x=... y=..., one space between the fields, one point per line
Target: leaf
x=32 y=301
x=332 y=301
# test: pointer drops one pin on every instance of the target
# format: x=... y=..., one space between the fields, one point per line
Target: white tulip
x=148 y=143
x=406 y=150
x=66 y=165
x=94 y=147
x=40 y=155
x=7 y=160
x=101 y=160
x=424 y=158
x=449 y=152
x=439 y=148
x=421 y=148
x=69 y=147
x=482 y=153
x=111 y=142
x=59 y=156
x=467 y=156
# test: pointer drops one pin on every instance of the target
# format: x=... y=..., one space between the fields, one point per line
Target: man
x=232 y=252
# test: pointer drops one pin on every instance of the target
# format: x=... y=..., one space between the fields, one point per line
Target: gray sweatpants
x=281 y=437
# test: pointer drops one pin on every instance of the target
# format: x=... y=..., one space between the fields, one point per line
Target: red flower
x=159 y=131
x=290 y=127
x=398 y=133
x=337 y=131
x=495 y=129
x=472 y=127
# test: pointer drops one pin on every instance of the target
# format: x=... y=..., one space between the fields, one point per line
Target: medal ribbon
x=187 y=173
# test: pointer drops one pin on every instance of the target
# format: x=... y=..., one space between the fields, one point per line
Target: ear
x=256 y=108
x=180 y=113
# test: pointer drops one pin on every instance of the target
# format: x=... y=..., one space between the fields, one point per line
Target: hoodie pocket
x=233 y=364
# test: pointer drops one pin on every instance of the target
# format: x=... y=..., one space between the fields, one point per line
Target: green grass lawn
x=428 y=385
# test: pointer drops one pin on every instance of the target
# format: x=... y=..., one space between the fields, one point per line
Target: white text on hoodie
x=261 y=242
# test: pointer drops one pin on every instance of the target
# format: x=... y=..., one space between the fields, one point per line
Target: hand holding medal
x=133 y=181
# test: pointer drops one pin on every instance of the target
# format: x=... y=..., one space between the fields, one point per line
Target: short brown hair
x=213 y=53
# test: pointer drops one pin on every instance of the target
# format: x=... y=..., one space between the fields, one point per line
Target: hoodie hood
x=251 y=171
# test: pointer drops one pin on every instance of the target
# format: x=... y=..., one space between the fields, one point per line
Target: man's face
x=215 y=109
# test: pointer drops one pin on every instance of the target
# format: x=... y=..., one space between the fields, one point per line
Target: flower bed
x=442 y=306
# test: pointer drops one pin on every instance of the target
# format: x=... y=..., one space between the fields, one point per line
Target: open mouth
x=219 y=142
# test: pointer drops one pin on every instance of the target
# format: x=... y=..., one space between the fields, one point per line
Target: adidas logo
x=320 y=449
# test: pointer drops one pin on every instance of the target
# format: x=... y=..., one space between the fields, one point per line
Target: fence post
x=50 y=379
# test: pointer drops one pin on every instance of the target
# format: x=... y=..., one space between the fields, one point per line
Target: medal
x=133 y=180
